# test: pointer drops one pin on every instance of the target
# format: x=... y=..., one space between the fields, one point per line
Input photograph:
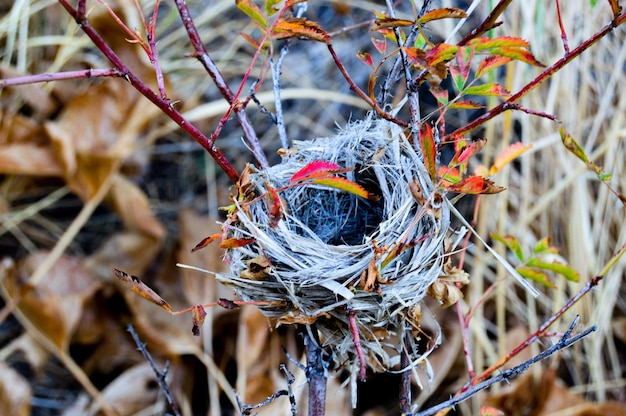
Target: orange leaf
x=490 y=63
x=519 y=54
x=386 y=22
x=199 y=314
x=466 y=105
x=274 y=210
x=344 y=184
x=316 y=169
x=236 y=242
x=429 y=150
x=441 y=53
x=484 y=43
x=301 y=28
x=205 y=242
x=508 y=155
x=444 y=13
x=140 y=288
x=473 y=185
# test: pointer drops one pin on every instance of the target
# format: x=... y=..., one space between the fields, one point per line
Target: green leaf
x=492 y=89
x=566 y=271
x=344 y=184
x=511 y=243
x=270 y=6
x=572 y=145
x=484 y=43
x=440 y=95
x=441 y=53
x=543 y=247
x=252 y=11
x=536 y=276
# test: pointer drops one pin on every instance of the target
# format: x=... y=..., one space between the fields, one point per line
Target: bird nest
x=335 y=259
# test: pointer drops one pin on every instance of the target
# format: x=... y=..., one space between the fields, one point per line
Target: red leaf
x=441 y=53
x=507 y=155
x=466 y=105
x=444 y=13
x=415 y=56
x=519 y=54
x=199 y=314
x=468 y=151
x=236 y=242
x=274 y=209
x=140 y=288
x=464 y=59
x=227 y=304
x=380 y=45
x=301 y=28
x=475 y=185
x=344 y=184
x=490 y=63
x=316 y=169
x=205 y=242
x=429 y=150
x=440 y=95
x=366 y=58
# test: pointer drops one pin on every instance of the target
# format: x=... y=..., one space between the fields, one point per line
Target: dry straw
x=318 y=262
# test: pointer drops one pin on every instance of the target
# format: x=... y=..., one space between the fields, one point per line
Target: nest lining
x=318 y=252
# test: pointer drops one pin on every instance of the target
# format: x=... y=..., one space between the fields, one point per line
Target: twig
x=60 y=76
x=562 y=27
x=405 y=376
x=565 y=342
x=357 y=343
x=163 y=104
x=280 y=120
x=316 y=374
x=205 y=59
x=487 y=24
x=160 y=374
x=292 y=398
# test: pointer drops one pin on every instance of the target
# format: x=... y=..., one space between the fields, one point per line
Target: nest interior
x=316 y=260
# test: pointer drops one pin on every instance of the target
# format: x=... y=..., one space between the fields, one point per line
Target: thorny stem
x=565 y=342
x=567 y=58
x=164 y=105
x=316 y=374
x=205 y=59
x=59 y=76
x=160 y=374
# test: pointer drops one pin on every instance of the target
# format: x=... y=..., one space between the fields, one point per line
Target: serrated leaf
x=206 y=241
x=464 y=59
x=231 y=243
x=493 y=89
x=490 y=63
x=543 y=247
x=301 y=28
x=380 y=45
x=518 y=54
x=141 y=289
x=443 y=13
x=366 y=58
x=509 y=154
x=415 y=56
x=316 y=169
x=473 y=185
x=511 y=243
x=485 y=43
x=344 y=184
x=252 y=11
x=536 y=276
x=274 y=209
x=564 y=270
x=466 y=105
x=443 y=52
x=572 y=145
x=429 y=150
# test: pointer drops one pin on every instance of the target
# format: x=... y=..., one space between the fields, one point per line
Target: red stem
x=508 y=104
x=563 y=34
x=357 y=344
x=163 y=104
x=205 y=59
x=59 y=76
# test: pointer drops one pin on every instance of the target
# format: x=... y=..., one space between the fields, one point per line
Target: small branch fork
x=565 y=342
x=247 y=409
x=160 y=374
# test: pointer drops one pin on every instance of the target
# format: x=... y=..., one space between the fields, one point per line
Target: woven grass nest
x=334 y=252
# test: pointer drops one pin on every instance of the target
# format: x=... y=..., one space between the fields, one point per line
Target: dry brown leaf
x=54 y=306
x=252 y=344
x=15 y=392
x=138 y=287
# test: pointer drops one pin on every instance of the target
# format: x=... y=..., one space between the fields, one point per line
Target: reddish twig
x=60 y=76
x=557 y=66
x=489 y=23
x=163 y=104
x=563 y=34
x=357 y=343
x=205 y=59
